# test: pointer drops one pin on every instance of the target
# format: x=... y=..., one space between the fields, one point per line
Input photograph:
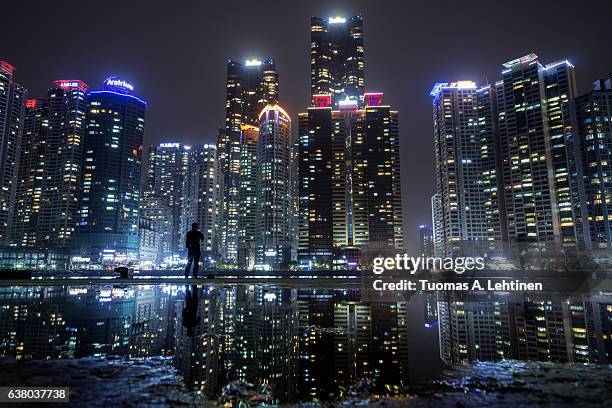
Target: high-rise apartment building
x=348 y=156
x=466 y=154
x=166 y=170
x=202 y=199
x=503 y=160
x=110 y=200
x=535 y=163
x=12 y=107
x=49 y=180
x=248 y=194
x=250 y=87
x=274 y=196
x=349 y=190
x=337 y=63
x=30 y=173
x=589 y=138
x=426 y=240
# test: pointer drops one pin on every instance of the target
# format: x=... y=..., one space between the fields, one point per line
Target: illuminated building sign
x=373 y=98
x=31 y=103
x=347 y=104
x=175 y=145
x=253 y=62
x=118 y=84
x=322 y=100
x=336 y=20
x=526 y=59
x=70 y=84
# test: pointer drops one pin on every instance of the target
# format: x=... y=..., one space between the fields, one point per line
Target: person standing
x=192 y=242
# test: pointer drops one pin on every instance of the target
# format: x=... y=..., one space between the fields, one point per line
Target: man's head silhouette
x=194 y=226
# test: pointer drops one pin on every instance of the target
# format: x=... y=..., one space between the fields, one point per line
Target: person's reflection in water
x=190 y=312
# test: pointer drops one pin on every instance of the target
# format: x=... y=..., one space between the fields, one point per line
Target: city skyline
x=390 y=50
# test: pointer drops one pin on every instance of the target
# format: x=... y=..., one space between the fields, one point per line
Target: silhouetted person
x=193 y=250
x=190 y=312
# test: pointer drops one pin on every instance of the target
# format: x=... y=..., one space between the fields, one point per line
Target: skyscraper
x=466 y=170
x=49 y=180
x=426 y=239
x=274 y=189
x=337 y=63
x=202 y=198
x=589 y=137
x=436 y=225
x=28 y=195
x=110 y=200
x=12 y=107
x=535 y=164
x=166 y=171
x=349 y=191
x=348 y=155
x=250 y=87
x=248 y=193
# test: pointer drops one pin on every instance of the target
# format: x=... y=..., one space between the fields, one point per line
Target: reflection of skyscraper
x=110 y=200
x=540 y=329
x=245 y=364
x=250 y=87
x=316 y=331
x=371 y=342
x=337 y=64
x=274 y=188
x=276 y=340
x=266 y=338
x=196 y=356
x=473 y=330
x=12 y=106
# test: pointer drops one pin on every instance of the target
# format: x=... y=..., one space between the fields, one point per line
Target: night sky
x=175 y=54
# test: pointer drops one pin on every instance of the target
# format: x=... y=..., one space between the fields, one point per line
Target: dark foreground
x=154 y=382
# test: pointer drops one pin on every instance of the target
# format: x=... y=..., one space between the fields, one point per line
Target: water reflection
x=300 y=344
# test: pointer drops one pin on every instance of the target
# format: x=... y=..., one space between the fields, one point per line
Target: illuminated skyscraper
x=436 y=225
x=249 y=191
x=274 y=188
x=110 y=201
x=337 y=64
x=30 y=175
x=48 y=191
x=349 y=182
x=473 y=330
x=426 y=239
x=250 y=87
x=536 y=176
x=167 y=166
x=12 y=107
x=466 y=170
x=590 y=139
x=202 y=198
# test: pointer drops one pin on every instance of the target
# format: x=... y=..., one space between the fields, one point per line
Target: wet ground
x=154 y=382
